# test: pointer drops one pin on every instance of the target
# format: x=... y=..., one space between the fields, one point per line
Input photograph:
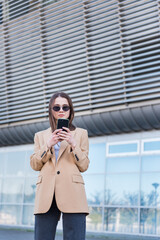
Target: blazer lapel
x=64 y=145
x=49 y=133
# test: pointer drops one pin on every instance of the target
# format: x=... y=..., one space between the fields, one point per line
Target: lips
x=61 y=115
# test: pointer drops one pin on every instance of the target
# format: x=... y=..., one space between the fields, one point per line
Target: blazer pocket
x=39 y=180
x=77 y=179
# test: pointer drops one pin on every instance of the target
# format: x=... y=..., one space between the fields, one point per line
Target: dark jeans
x=74 y=224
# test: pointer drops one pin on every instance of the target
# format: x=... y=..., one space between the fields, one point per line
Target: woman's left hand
x=66 y=135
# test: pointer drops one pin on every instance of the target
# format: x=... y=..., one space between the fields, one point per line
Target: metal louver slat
x=27 y=106
x=149 y=29
x=24 y=118
x=152 y=20
x=148 y=65
x=25 y=25
x=74 y=78
x=21 y=104
x=31 y=61
x=64 y=25
x=27 y=90
x=25 y=42
x=20 y=101
x=133 y=7
x=139 y=19
x=24 y=84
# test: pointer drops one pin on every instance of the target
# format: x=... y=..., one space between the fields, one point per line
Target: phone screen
x=62 y=122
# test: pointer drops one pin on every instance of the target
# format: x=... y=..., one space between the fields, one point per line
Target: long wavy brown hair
x=52 y=120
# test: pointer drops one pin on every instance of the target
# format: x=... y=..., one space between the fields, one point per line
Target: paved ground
x=12 y=234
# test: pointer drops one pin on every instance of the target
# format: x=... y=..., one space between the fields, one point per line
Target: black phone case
x=62 y=123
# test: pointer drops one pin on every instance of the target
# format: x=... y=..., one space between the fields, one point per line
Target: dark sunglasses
x=65 y=108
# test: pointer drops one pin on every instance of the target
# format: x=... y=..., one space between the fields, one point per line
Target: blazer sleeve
x=80 y=153
x=40 y=156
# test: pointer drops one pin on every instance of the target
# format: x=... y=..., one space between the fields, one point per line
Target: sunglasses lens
x=56 y=108
x=66 y=108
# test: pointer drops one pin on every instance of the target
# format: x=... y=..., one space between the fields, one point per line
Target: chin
x=61 y=117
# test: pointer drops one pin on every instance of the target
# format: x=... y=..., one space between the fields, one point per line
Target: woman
x=60 y=156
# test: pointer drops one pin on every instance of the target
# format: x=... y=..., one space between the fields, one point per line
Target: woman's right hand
x=54 y=139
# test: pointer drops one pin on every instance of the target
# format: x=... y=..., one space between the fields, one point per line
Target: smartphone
x=62 y=122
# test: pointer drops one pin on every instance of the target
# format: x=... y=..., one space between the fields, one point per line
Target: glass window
x=151 y=163
x=15 y=164
x=150 y=189
x=152 y=146
x=94 y=185
x=3 y=157
x=97 y=155
x=123 y=148
x=94 y=219
x=121 y=220
x=29 y=170
x=29 y=190
x=123 y=164
x=10 y=214
x=12 y=190
x=150 y=221
x=28 y=215
x=122 y=189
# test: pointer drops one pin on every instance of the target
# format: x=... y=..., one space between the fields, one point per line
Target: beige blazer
x=62 y=178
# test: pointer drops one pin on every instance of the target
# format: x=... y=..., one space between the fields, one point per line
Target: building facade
x=105 y=55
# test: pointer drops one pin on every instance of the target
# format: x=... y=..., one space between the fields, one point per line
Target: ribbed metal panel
x=103 y=53
x=105 y=123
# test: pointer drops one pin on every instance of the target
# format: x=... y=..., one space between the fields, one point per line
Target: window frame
x=124 y=153
x=149 y=152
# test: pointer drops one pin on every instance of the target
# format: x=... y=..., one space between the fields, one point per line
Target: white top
x=56 y=149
